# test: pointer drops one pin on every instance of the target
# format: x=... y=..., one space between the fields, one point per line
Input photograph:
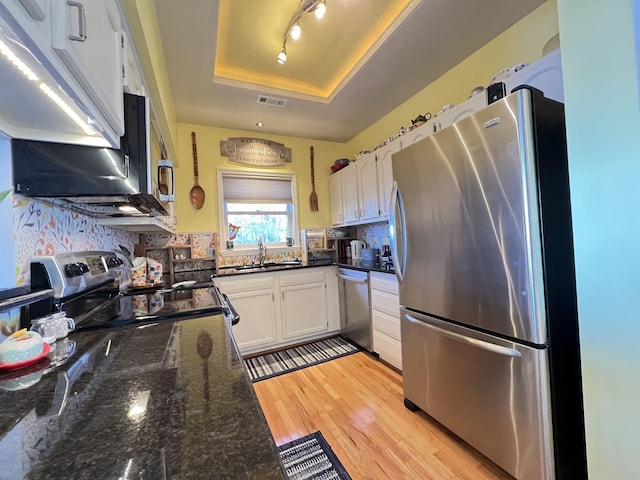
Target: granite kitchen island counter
x=165 y=400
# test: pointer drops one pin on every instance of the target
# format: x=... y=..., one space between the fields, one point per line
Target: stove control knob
x=72 y=270
x=84 y=268
x=113 y=262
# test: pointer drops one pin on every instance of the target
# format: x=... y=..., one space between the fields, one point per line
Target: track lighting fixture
x=318 y=7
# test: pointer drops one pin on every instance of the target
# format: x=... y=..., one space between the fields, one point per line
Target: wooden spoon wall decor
x=197 y=193
x=313 y=198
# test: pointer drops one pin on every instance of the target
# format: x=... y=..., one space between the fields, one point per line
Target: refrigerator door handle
x=509 y=352
x=399 y=264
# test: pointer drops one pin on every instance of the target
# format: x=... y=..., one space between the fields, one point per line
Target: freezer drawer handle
x=474 y=342
x=352 y=279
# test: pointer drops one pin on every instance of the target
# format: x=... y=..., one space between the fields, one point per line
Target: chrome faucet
x=262 y=251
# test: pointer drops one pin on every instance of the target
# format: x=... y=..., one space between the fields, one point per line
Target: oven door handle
x=235 y=317
x=230 y=313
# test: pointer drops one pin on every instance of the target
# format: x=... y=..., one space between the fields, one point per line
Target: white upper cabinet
x=350 y=194
x=369 y=204
x=87 y=37
x=417 y=134
x=83 y=78
x=337 y=203
x=385 y=175
x=356 y=195
x=471 y=105
x=359 y=182
x=544 y=74
x=132 y=76
x=32 y=16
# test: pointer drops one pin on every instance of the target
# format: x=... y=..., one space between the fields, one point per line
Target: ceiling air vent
x=274 y=101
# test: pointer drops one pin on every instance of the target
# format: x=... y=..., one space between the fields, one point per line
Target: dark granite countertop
x=365 y=267
x=204 y=277
x=246 y=269
x=165 y=400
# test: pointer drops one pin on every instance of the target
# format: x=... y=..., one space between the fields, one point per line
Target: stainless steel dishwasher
x=355 y=317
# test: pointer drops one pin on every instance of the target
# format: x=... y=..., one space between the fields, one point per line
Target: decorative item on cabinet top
x=339 y=164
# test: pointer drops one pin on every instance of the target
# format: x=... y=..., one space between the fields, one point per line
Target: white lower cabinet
x=303 y=305
x=385 y=317
x=254 y=299
x=281 y=308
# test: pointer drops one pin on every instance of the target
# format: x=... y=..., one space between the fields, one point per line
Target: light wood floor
x=357 y=403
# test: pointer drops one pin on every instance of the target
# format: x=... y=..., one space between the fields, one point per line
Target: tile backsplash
x=373 y=234
x=43 y=229
x=284 y=254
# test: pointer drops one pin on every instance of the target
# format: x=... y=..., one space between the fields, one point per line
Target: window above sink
x=255 y=204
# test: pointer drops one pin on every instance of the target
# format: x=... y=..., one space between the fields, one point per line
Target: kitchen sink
x=287 y=262
x=260 y=268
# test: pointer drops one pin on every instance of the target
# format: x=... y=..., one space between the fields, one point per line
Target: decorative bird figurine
x=233 y=232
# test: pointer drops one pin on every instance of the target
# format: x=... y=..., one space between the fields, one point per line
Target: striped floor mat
x=294 y=358
x=311 y=458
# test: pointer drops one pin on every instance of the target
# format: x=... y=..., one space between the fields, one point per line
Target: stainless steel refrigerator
x=482 y=245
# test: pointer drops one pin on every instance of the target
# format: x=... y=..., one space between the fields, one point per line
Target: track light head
x=295 y=32
x=320 y=10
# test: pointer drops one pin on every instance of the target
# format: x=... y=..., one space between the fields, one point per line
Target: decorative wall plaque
x=255 y=152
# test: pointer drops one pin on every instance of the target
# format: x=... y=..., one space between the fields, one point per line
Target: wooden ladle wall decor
x=197 y=193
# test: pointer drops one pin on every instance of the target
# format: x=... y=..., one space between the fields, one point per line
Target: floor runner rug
x=290 y=359
x=311 y=458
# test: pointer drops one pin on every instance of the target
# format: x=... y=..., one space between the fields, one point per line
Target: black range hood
x=101 y=182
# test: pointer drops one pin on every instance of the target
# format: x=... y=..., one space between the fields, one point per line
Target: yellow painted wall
x=143 y=25
x=209 y=159
x=522 y=43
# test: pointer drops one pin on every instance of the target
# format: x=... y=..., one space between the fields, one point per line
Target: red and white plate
x=13 y=366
